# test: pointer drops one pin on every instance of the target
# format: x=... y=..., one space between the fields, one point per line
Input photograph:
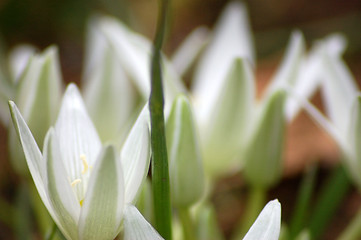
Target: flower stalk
x=160 y=173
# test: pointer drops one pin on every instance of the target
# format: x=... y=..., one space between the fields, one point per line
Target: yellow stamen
x=75 y=182
x=81 y=202
x=85 y=163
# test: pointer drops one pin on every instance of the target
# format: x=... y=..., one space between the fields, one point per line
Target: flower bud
x=185 y=163
x=263 y=154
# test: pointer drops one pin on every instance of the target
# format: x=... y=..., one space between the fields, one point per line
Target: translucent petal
x=136 y=227
x=268 y=223
x=231 y=39
x=308 y=80
x=109 y=95
x=39 y=91
x=103 y=205
x=223 y=121
x=78 y=138
x=319 y=118
x=339 y=89
x=287 y=73
x=38 y=97
x=133 y=55
x=61 y=195
x=190 y=49
x=18 y=58
x=312 y=71
x=135 y=155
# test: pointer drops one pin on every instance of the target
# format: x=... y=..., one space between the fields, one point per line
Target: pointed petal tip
x=275 y=203
x=72 y=88
x=11 y=104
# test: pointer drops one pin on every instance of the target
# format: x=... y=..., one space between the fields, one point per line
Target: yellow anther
x=81 y=202
x=75 y=182
x=85 y=163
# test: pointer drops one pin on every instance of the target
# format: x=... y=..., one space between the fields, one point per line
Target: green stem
x=353 y=230
x=160 y=172
x=187 y=224
x=330 y=199
x=256 y=201
x=303 y=201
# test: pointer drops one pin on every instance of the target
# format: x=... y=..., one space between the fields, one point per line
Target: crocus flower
x=88 y=188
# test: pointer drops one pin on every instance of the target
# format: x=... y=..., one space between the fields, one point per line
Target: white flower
x=85 y=186
x=342 y=102
x=38 y=89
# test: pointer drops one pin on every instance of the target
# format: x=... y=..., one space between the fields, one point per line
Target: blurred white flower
x=342 y=102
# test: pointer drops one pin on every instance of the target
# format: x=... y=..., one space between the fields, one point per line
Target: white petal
x=94 y=48
x=339 y=89
x=135 y=155
x=288 y=70
x=268 y=223
x=185 y=162
x=134 y=56
x=352 y=149
x=319 y=118
x=18 y=58
x=33 y=157
x=136 y=227
x=263 y=152
x=39 y=92
x=223 y=122
x=312 y=70
x=109 y=95
x=134 y=52
x=38 y=98
x=232 y=39
x=307 y=81
x=77 y=138
x=102 y=210
x=61 y=195
x=189 y=50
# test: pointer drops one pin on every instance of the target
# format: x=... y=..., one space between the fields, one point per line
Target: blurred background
x=63 y=23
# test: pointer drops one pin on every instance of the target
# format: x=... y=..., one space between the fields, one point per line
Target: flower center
x=86 y=168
